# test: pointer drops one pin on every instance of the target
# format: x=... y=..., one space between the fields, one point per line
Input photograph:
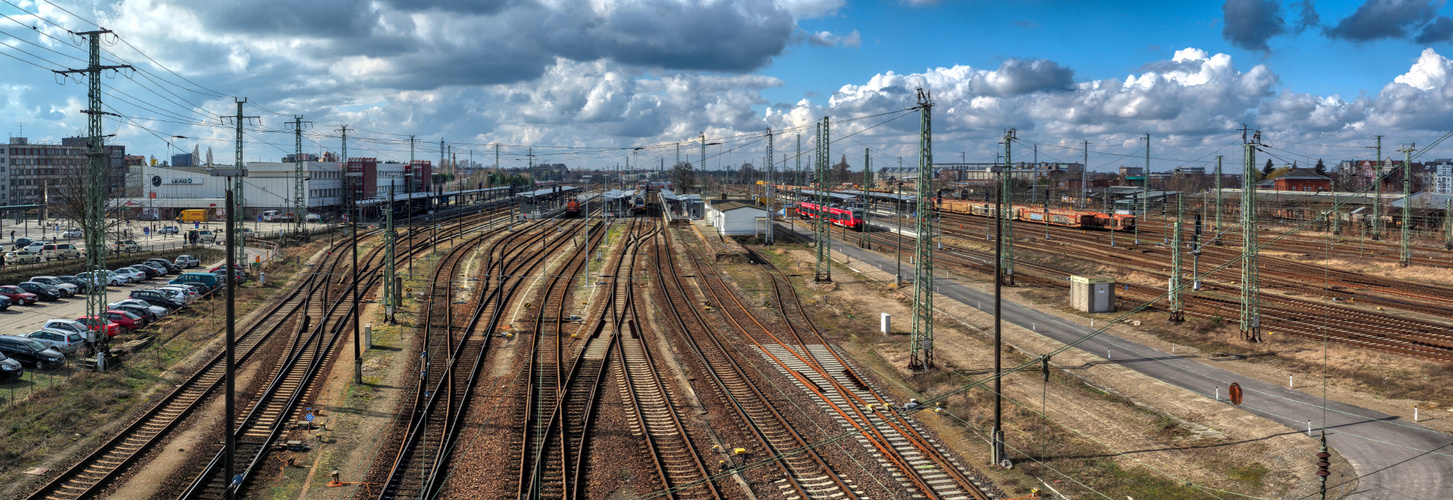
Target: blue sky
x=581 y=81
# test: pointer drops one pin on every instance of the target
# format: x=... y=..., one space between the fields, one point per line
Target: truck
x=195 y=215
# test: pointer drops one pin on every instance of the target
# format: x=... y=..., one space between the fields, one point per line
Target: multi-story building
x=34 y=168
x=292 y=158
x=1442 y=182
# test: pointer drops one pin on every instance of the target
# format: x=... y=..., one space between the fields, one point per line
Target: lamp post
x=229 y=437
x=898 y=278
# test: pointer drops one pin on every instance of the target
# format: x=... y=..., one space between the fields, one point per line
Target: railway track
x=804 y=472
x=95 y=471
x=442 y=398
x=1370 y=330
x=274 y=411
x=562 y=391
x=917 y=463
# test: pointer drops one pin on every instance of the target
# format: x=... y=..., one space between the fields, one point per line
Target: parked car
x=67 y=325
x=186 y=261
x=146 y=314
x=81 y=286
x=18 y=295
x=100 y=325
x=147 y=217
x=169 y=230
x=187 y=293
x=149 y=271
x=160 y=269
x=207 y=236
x=130 y=322
x=151 y=309
x=73 y=233
x=126 y=246
x=10 y=368
x=22 y=257
x=211 y=281
x=41 y=290
x=171 y=267
x=158 y=298
x=4 y=302
x=67 y=289
x=35 y=247
x=237 y=268
x=111 y=277
x=67 y=342
x=31 y=353
x=200 y=288
x=60 y=251
x=131 y=275
x=21 y=243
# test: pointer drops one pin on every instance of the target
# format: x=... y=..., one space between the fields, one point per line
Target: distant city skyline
x=588 y=83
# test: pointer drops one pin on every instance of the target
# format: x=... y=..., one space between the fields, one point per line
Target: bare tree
x=67 y=197
x=683 y=176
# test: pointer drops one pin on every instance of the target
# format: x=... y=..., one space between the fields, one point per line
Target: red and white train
x=848 y=218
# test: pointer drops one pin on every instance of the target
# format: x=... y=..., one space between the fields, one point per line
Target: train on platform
x=638 y=204
x=848 y=218
x=573 y=208
x=1065 y=217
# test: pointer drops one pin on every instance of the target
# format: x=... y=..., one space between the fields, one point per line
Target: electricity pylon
x=1250 y=284
x=823 y=229
x=867 y=199
x=1006 y=193
x=1406 y=257
x=238 y=204
x=95 y=228
x=920 y=356
x=770 y=190
x=300 y=195
x=1177 y=307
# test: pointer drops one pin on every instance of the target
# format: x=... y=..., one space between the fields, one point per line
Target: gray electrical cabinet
x=1092 y=295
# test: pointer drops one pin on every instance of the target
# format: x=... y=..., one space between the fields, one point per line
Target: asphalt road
x=1394 y=457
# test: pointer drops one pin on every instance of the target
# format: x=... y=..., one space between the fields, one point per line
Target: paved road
x=1395 y=457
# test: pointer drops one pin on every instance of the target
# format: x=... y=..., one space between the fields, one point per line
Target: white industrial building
x=166 y=191
x=736 y=217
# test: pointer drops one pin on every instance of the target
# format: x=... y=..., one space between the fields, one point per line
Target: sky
x=596 y=83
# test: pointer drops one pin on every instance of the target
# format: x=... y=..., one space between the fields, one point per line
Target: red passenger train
x=848 y=218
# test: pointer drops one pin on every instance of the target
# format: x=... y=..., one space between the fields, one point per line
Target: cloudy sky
x=588 y=82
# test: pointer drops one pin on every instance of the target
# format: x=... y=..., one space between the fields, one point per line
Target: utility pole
x=1085 y=176
x=230 y=410
x=1377 y=199
x=237 y=193
x=920 y=353
x=1448 y=221
x=702 y=166
x=96 y=193
x=390 y=289
x=823 y=229
x=1005 y=234
x=1144 y=191
x=1406 y=257
x=1218 y=193
x=1250 y=284
x=353 y=213
x=867 y=199
x=1177 y=312
x=770 y=192
x=442 y=152
x=300 y=195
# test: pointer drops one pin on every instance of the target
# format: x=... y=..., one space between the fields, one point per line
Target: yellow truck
x=197 y=215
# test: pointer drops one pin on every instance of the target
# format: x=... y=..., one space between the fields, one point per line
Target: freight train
x=1065 y=217
x=848 y=218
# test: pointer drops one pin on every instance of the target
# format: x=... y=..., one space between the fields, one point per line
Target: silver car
x=67 y=288
x=64 y=341
x=189 y=293
x=67 y=325
x=159 y=311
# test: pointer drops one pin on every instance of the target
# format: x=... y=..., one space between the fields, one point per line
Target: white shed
x=735 y=217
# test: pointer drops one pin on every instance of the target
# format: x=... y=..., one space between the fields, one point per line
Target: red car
x=130 y=322
x=95 y=325
x=18 y=295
